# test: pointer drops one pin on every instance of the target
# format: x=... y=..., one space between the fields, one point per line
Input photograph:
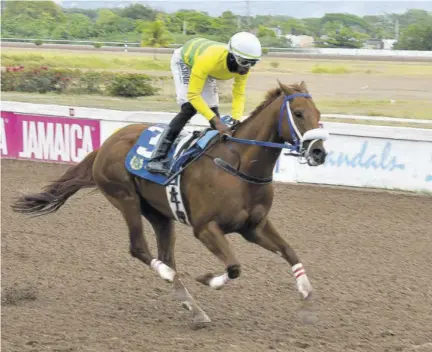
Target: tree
x=108 y=22
x=382 y=27
x=265 y=32
x=138 y=12
x=227 y=24
x=90 y=13
x=156 y=35
x=348 y=20
x=313 y=26
x=416 y=37
x=34 y=10
x=31 y=19
x=339 y=36
x=80 y=26
x=295 y=26
x=413 y=16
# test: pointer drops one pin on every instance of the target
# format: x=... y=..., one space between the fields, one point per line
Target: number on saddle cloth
x=186 y=146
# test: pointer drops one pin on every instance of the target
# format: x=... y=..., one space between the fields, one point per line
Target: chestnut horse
x=227 y=189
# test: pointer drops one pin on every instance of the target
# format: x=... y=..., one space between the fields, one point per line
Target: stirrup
x=157 y=166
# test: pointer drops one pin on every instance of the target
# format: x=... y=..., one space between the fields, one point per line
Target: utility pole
x=184 y=27
x=397 y=29
x=248 y=12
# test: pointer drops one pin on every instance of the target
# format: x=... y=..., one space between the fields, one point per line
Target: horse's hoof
x=201 y=319
x=205 y=279
x=307 y=312
x=308 y=297
x=307 y=316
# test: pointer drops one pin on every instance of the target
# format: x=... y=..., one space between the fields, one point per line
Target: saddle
x=187 y=146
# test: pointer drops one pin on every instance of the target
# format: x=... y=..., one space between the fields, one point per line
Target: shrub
x=132 y=85
x=38 y=42
x=91 y=82
x=43 y=80
x=40 y=80
x=265 y=51
x=97 y=45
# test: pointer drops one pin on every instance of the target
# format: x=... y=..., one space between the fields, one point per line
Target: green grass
x=166 y=102
x=83 y=60
x=409 y=109
x=333 y=69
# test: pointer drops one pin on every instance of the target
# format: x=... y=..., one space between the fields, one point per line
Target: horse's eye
x=298 y=114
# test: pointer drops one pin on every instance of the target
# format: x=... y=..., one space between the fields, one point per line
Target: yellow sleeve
x=238 y=93
x=197 y=80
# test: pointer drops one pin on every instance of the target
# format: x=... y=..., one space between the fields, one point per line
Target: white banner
x=366 y=162
x=359 y=155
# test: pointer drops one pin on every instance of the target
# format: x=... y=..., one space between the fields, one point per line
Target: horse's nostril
x=317 y=151
x=318 y=154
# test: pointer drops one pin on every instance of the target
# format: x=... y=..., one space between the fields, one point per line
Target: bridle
x=297 y=147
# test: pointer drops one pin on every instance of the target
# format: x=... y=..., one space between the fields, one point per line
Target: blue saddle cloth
x=187 y=146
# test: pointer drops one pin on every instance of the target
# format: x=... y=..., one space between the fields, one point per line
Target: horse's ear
x=303 y=86
x=279 y=82
x=282 y=86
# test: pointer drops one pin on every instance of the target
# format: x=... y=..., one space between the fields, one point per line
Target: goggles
x=247 y=63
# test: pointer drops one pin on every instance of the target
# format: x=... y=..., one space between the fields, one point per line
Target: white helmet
x=246 y=48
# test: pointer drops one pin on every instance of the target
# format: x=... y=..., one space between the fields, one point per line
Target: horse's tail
x=57 y=192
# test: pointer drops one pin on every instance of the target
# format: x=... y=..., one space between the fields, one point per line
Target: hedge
x=68 y=81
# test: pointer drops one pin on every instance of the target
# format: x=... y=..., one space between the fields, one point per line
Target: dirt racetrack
x=69 y=283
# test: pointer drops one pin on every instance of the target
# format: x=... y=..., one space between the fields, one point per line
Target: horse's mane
x=274 y=93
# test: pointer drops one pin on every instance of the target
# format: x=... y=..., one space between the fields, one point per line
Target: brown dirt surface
x=69 y=283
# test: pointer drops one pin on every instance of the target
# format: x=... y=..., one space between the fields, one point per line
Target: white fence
x=342 y=53
x=359 y=155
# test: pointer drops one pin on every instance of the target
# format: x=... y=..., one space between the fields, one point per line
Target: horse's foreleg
x=165 y=235
x=266 y=236
x=213 y=238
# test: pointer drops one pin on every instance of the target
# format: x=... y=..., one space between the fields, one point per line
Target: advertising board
x=47 y=138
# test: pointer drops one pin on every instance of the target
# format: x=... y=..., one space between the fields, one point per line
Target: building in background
x=301 y=41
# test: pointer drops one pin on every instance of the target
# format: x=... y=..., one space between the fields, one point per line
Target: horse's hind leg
x=165 y=235
x=125 y=199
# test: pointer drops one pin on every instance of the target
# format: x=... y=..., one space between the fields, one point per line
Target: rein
x=295 y=146
x=295 y=134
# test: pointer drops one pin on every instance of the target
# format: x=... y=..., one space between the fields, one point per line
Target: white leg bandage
x=219 y=281
x=164 y=271
x=303 y=284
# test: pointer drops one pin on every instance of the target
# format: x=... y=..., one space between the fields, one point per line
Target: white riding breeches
x=181 y=75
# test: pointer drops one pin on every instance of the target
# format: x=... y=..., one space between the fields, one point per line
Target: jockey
x=195 y=67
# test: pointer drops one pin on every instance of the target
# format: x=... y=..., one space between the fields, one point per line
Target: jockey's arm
x=199 y=74
x=238 y=94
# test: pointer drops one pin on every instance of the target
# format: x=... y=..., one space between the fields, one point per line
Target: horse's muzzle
x=312 y=142
x=317 y=156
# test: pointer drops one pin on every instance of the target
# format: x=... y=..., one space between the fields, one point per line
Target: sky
x=297 y=9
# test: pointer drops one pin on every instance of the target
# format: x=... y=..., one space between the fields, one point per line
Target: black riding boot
x=158 y=162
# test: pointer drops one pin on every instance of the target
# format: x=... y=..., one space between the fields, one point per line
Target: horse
x=227 y=188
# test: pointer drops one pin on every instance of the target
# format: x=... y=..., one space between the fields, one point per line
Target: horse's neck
x=257 y=160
